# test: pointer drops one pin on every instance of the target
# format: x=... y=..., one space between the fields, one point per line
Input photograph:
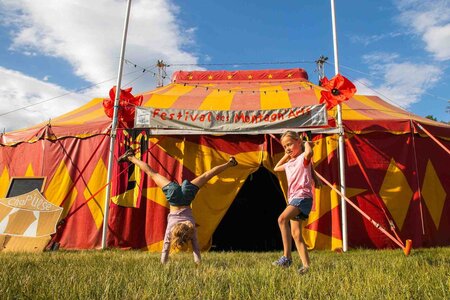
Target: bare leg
x=283 y=223
x=296 y=227
x=160 y=180
x=205 y=177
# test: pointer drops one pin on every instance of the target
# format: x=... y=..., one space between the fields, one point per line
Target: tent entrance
x=250 y=223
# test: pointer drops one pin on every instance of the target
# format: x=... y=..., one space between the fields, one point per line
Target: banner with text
x=244 y=121
x=28 y=215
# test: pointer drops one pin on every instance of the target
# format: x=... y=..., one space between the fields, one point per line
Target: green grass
x=115 y=274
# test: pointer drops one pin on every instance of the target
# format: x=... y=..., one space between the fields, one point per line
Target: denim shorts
x=304 y=205
x=180 y=195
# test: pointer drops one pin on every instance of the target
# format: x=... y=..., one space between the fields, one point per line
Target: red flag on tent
x=127 y=104
x=338 y=89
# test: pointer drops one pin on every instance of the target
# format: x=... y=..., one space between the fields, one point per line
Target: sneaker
x=125 y=156
x=303 y=270
x=283 y=262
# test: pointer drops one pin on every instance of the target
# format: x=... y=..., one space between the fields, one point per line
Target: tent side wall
x=76 y=172
x=411 y=187
x=74 y=169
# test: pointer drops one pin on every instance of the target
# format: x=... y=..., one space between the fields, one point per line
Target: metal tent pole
x=341 y=138
x=114 y=127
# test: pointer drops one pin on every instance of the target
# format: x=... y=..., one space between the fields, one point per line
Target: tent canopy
x=232 y=90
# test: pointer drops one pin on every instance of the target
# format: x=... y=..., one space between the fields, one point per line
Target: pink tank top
x=299 y=177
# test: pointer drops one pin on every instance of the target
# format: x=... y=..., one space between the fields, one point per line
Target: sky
x=57 y=55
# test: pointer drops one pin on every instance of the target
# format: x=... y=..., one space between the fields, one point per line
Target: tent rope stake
x=406 y=247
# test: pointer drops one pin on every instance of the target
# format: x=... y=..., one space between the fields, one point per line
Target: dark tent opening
x=250 y=223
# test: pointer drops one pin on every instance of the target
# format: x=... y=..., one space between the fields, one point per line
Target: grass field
x=115 y=274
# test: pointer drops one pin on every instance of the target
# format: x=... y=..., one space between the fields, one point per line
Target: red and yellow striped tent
x=394 y=170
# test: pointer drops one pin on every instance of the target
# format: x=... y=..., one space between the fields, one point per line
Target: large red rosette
x=127 y=104
x=337 y=90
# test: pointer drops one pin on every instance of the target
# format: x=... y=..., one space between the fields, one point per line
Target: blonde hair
x=292 y=134
x=181 y=234
x=295 y=136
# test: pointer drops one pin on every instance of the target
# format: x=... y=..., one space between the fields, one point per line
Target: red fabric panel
x=367 y=126
x=246 y=101
x=136 y=227
x=260 y=75
x=230 y=144
x=80 y=230
x=300 y=96
x=428 y=151
x=43 y=158
x=193 y=99
x=328 y=224
x=376 y=151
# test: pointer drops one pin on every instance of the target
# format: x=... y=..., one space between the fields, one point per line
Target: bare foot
x=126 y=155
x=232 y=162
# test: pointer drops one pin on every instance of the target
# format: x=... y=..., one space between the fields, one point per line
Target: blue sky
x=56 y=55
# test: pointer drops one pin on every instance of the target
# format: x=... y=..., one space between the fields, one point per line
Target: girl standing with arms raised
x=297 y=164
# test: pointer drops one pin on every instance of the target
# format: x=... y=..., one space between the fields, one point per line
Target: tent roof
x=231 y=90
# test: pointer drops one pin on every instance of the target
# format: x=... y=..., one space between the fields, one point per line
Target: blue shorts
x=304 y=205
x=180 y=195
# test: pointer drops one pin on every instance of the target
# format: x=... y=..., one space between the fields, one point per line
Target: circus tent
x=394 y=170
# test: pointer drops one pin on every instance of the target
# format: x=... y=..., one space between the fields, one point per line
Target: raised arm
x=280 y=165
x=308 y=153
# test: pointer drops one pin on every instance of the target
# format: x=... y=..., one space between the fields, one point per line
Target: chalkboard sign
x=23 y=185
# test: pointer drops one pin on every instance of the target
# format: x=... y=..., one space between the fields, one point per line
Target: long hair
x=181 y=234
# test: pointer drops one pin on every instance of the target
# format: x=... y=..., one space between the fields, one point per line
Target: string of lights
x=143 y=69
x=288 y=87
x=296 y=85
x=62 y=95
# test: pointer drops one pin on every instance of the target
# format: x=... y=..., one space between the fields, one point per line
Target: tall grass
x=116 y=274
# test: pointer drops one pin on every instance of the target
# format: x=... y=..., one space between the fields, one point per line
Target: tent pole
x=341 y=137
x=114 y=127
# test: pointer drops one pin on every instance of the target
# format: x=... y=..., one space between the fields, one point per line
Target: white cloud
x=376 y=59
x=366 y=40
x=364 y=86
x=403 y=83
x=19 y=91
x=431 y=21
x=438 y=41
x=87 y=35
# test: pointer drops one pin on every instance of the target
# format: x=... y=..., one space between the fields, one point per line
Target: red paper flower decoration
x=338 y=89
x=127 y=104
